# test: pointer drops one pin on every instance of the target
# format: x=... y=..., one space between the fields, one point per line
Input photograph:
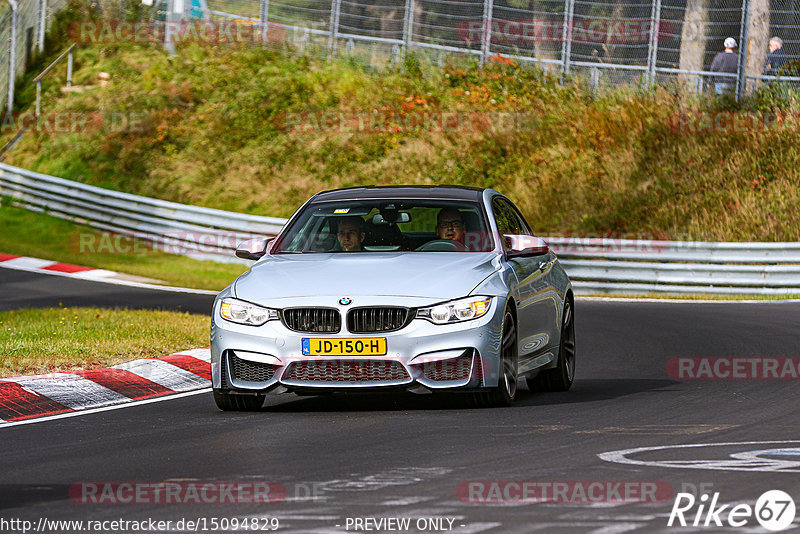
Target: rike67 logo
x=774 y=510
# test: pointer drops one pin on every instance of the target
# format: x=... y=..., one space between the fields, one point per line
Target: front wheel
x=503 y=394
x=560 y=378
x=238 y=403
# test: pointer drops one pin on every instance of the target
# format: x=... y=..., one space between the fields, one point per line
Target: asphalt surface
x=23 y=289
x=341 y=459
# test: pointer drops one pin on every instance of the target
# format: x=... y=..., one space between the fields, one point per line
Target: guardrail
x=194 y=231
x=594 y=265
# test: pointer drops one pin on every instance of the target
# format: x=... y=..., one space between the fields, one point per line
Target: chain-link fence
x=23 y=26
x=610 y=42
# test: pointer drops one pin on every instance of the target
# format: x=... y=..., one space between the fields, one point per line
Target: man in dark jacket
x=776 y=59
x=725 y=62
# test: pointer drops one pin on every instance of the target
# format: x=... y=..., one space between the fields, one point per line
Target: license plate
x=363 y=346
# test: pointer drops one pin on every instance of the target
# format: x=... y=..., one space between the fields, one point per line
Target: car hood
x=437 y=275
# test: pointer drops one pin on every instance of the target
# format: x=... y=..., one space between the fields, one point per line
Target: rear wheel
x=238 y=403
x=503 y=394
x=560 y=378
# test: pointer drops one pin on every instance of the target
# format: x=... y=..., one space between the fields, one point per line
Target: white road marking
x=164 y=374
x=103 y=408
x=736 y=462
x=72 y=391
x=200 y=354
x=473 y=528
x=401 y=476
x=618 y=528
x=94 y=274
x=406 y=501
x=25 y=263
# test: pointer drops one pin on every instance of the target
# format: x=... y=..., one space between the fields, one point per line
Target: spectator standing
x=776 y=59
x=725 y=62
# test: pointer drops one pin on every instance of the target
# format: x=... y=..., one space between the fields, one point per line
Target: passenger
x=450 y=225
x=351 y=233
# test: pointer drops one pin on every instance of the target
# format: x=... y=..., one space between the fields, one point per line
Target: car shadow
x=589 y=390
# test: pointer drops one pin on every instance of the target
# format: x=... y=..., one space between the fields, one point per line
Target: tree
x=693 y=37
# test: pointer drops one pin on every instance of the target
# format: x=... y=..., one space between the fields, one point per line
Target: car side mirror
x=253 y=249
x=524 y=245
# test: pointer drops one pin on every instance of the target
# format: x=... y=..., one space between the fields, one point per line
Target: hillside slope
x=246 y=129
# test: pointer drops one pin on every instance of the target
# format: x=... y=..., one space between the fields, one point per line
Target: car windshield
x=388 y=225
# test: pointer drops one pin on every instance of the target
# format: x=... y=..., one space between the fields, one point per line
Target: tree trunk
x=693 y=38
x=758 y=40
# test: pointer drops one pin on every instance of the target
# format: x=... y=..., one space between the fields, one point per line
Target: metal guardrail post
x=69 y=67
x=12 y=55
x=334 y=29
x=42 y=24
x=408 y=26
x=486 y=41
x=264 y=16
x=743 y=49
x=652 y=57
x=566 y=44
x=173 y=6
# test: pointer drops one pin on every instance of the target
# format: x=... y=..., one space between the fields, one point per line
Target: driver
x=450 y=225
x=351 y=233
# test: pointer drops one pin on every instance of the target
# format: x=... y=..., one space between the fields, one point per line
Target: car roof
x=451 y=192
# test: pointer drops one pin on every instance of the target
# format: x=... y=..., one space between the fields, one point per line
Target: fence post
x=655 y=27
x=744 y=36
x=42 y=24
x=69 y=68
x=264 y=16
x=334 y=28
x=486 y=43
x=566 y=35
x=169 y=19
x=408 y=26
x=12 y=49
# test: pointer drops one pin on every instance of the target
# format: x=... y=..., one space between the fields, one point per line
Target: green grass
x=36 y=341
x=27 y=233
x=582 y=162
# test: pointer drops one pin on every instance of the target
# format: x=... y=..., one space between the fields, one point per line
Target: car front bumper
x=421 y=357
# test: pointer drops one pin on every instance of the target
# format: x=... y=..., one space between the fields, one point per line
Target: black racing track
x=406 y=456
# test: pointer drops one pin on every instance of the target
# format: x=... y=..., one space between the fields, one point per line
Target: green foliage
x=248 y=129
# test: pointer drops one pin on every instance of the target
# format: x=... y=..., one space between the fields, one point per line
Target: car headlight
x=238 y=311
x=456 y=311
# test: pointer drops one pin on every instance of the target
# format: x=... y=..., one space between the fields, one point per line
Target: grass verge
x=27 y=233
x=36 y=341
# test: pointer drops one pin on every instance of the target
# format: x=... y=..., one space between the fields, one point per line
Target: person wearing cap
x=725 y=62
x=776 y=59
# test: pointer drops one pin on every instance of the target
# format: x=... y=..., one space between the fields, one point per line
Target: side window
x=525 y=228
x=507 y=220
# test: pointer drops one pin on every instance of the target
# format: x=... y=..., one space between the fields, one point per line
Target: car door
x=537 y=301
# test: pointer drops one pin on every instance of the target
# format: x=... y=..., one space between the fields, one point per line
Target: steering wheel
x=442 y=245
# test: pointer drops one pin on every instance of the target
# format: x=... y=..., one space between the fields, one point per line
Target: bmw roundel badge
x=344 y=301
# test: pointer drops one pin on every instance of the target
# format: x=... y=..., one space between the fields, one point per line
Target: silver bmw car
x=422 y=289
